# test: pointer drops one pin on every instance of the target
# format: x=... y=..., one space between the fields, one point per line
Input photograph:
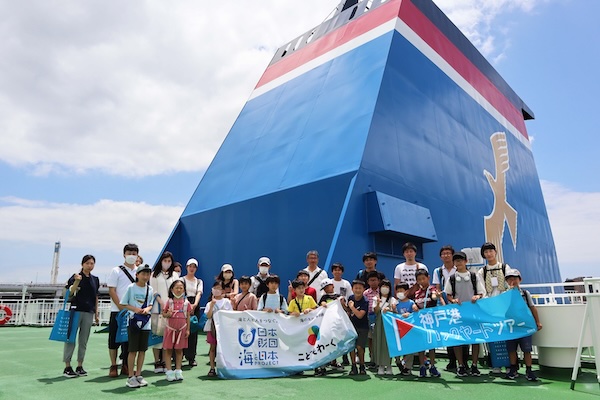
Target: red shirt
x=309 y=291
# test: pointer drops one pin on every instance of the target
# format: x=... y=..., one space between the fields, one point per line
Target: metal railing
x=42 y=312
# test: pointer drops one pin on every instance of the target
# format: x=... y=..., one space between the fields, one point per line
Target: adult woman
x=231 y=286
x=162 y=277
x=193 y=288
x=83 y=287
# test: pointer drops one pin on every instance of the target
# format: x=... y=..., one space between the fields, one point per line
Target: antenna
x=54 y=273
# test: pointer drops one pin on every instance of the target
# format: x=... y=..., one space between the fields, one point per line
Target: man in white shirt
x=316 y=274
x=405 y=272
x=118 y=281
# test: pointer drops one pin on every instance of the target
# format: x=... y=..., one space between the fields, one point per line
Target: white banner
x=257 y=344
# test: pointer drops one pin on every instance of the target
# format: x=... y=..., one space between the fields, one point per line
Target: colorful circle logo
x=313 y=334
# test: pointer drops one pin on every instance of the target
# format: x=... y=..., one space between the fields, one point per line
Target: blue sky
x=109 y=116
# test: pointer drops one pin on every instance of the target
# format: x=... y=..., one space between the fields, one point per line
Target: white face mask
x=178 y=297
x=227 y=275
x=131 y=259
x=166 y=265
x=263 y=270
x=385 y=290
x=401 y=295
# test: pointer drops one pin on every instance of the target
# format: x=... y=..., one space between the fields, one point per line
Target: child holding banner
x=426 y=296
x=301 y=304
x=513 y=278
x=384 y=303
x=405 y=307
x=218 y=302
x=357 y=308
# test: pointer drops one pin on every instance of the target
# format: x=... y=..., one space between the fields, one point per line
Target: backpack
x=485 y=271
x=262 y=287
x=263 y=298
x=473 y=282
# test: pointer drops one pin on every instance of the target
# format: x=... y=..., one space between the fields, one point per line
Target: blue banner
x=493 y=319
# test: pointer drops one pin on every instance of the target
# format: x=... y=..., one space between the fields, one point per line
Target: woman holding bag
x=83 y=287
x=194 y=288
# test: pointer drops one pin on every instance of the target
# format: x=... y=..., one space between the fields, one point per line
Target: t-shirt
x=464 y=286
x=301 y=305
x=329 y=297
x=342 y=287
x=245 y=301
x=445 y=274
x=405 y=306
x=121 y=282
x=85 y=298
x=360 y=305
x=192 y=287
x=423 y=298
x=259 y=285
x=388 y=303
x=406 y=273
x=310 y=291
x=135 y=296
x=221 y=304
x=369 y=294
x=316 y=284
x=272 y=301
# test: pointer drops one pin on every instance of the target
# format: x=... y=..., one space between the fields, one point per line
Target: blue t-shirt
x=360 y=305
x=272 y=301
x=135 y=296
x=405 y=306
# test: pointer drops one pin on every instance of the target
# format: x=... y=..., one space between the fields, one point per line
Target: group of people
x=159 y=299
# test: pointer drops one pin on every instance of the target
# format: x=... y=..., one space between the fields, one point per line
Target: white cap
x=226 y=267
x=326 y=282
x=264 y=260
x=191 y=261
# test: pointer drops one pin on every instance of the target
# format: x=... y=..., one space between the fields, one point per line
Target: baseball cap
x=326 y=282
x=513 y=272
x=264 y=260
x=191 y=261
x=459 y=254
x=226 y=267
x=145 y=268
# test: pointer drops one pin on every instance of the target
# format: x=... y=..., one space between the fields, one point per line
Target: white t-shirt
x=342 y=287
x=192 y=287
x=406 y=273
x=435 y=280
x=121 y=282
x=316 y=284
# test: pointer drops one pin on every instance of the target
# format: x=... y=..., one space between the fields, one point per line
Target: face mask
x=400 y=295
x=385 y=290
x=227 y=275
x=178 y=297
x=166 y=265
x=216 y=292
x=263 y=270
x=130 y=260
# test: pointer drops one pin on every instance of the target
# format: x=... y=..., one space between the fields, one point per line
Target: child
x=371 y=294
x=340 y=286
x=513 y=278
x=304 y=276
x=357 y=309
x=386 y=302
x=245 y=300
x=218 y=302
x=301 y=304
x=464 y=286
x=427 y=295
x=405 y=307
x=272 y=301
x=177 y=309
x=329 y=295
x=138 y=300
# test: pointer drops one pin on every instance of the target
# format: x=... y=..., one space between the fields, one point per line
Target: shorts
x=138 y=339
x=210 y=338
x=112 y=333
x=363 y=336
x=525 y=343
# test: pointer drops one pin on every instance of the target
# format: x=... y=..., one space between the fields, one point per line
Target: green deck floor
x=33 y=369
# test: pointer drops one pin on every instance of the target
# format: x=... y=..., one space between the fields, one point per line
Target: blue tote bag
x=122 y=322
x=66 y=323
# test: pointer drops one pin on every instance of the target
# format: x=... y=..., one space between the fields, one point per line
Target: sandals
x=212 y=372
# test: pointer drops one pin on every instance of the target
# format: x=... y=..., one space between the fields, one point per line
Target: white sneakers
x=132 y=382
x=176 y=375
x=142 y=381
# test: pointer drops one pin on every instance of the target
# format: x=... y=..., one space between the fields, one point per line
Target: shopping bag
x=122 y=322
x=65 y=324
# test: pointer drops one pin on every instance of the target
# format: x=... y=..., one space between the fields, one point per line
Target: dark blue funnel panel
x=378 y=127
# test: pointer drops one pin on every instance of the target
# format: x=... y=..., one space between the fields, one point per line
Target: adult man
x=405 y=272
x=259 y=281
x=118 y=281
x=369 y=260
x=316 y=274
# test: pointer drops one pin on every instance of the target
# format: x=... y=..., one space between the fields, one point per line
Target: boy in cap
x=513 y=278
x=357 y=308
x=329 y=294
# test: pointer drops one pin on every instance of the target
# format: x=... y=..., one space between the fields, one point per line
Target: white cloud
x=574 y=217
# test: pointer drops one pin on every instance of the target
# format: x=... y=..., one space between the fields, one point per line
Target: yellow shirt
x=306 y=303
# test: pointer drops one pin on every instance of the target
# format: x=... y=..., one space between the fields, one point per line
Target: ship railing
x=558 y=293
x=42 y=312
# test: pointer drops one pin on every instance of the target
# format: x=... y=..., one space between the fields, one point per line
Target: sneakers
x=132 y=382
x=336 y=365
x=511 y=374
x=320 y=371
x=388 y=370
x=362 y=370
x=80 y=371
x=158 y=368
x=69 y=373
x=451 y=367
x=381 y=370
x=124 y=369
x=423 y=371
x=406 y=372
x=114 y=371
x=496 y=370
x=475 y=371
x=170 y=376
x=462 y=371
x=531 y=376
x=193 y=363
x=345 y=360
x=141 y=381
x=212 y=372
x=434 y=372
x=178 y=375
x=353 y=370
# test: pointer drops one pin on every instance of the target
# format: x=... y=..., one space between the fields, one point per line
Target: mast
x=54 y=272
